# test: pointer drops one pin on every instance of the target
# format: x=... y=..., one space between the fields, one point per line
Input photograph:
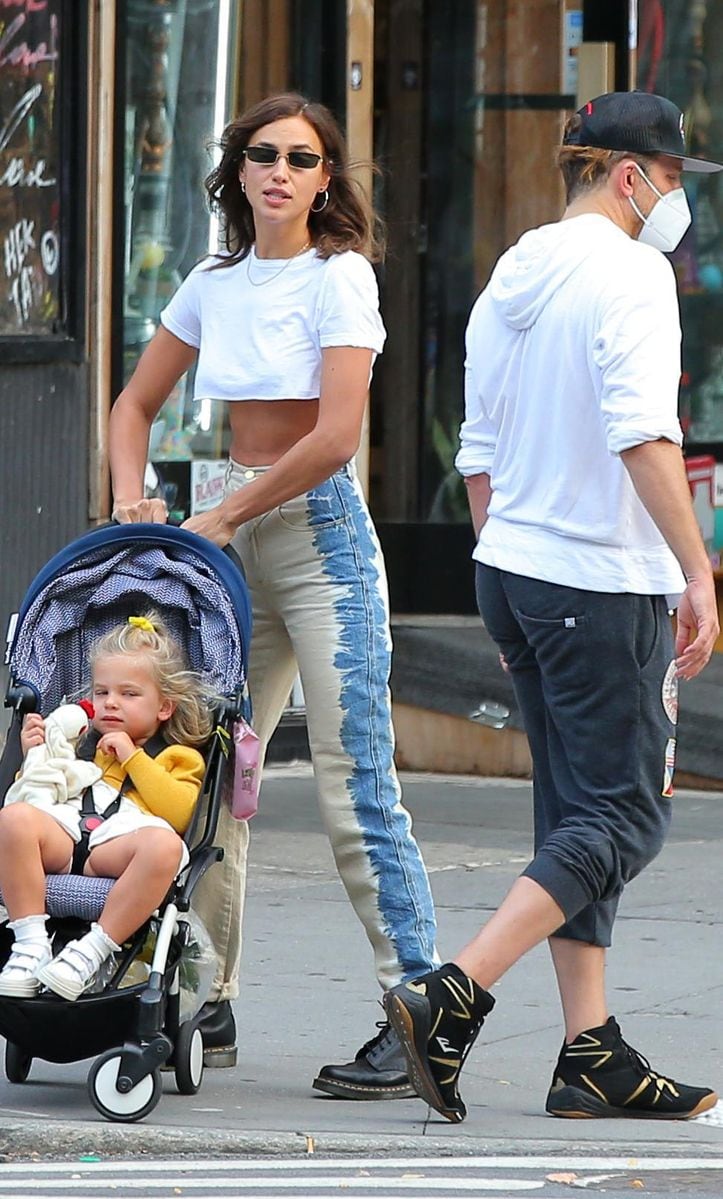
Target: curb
x=66 y=1141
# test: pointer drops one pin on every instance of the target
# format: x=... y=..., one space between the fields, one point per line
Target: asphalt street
x=308 y=996
x=355 y=1177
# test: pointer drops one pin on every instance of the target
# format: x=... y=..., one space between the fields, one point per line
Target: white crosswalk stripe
x=311 y=1162
x=384 y=1178
x=253 y=1185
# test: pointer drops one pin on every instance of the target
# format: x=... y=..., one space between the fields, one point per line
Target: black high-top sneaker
x=598 y=1074
x=437 y=1018
x=378 y=1071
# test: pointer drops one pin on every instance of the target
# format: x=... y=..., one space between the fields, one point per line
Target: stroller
x=136 y=1027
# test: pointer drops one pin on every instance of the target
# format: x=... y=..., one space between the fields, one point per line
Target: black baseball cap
x=636 y=123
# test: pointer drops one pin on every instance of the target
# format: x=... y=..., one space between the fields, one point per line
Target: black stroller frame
x=136 y=1029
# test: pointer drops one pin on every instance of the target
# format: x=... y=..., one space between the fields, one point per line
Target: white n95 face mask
x=668 y=219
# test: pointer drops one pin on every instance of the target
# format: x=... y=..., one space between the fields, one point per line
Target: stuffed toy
x=51 y=774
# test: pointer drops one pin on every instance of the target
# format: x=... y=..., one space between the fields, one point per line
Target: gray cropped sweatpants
x=594 y=677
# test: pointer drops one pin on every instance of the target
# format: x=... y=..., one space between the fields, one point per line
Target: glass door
x=178 y=57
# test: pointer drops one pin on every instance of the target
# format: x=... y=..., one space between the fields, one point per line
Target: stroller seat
x=76 y=895
x=89 y=587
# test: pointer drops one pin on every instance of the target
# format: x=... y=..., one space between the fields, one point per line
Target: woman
x=286 y=326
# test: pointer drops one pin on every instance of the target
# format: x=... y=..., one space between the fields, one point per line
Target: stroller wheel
x=188 y=1058
x=109 y=1101
x=17 y=1063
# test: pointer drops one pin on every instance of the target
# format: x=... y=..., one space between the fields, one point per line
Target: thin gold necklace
x=270 y=278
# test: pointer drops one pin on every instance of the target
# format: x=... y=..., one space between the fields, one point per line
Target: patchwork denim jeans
x=320 y=606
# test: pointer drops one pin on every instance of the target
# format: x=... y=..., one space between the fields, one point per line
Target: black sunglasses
x=267 y=156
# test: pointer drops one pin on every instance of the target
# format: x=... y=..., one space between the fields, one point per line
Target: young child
x=141 y=690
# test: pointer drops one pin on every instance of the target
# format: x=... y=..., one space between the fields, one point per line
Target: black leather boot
x=218 y=1029
x=377 y=1072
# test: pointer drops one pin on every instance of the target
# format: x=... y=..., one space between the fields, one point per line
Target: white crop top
x=261 y=338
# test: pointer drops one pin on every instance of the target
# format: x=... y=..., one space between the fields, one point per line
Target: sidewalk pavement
x=308 y=996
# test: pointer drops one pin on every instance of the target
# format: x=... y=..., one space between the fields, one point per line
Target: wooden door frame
x=360 y=136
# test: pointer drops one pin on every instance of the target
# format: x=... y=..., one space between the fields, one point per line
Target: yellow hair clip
x=224 y=739
x=141 y=622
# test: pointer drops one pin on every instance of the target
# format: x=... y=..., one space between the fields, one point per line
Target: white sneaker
x=19 y=977
x=72 y=972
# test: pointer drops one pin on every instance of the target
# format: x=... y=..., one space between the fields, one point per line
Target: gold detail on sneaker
x=464 y=996
x=661 y=1085
x=588 y=1046
x=419 y=988
x=462 y=1007
x=453 y=1064
x=592 y=1087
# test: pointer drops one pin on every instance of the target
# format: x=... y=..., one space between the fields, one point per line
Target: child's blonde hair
x=191 y=722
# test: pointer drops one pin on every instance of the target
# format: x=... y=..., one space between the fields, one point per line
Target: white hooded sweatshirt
x=573 y=355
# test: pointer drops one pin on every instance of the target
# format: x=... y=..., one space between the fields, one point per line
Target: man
x=571 y=455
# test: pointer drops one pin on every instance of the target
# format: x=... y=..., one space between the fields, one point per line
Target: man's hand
x=118 y=743
x=135 y=512
x=697 y=628
x=479 y=494
x=32 y=732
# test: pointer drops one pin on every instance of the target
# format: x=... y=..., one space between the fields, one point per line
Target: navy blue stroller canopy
x=117 y=571
x=94 y=584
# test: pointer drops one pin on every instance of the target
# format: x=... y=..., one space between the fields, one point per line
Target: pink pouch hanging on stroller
x=246 y=773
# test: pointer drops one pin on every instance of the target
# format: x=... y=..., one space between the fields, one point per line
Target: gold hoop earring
x=325 y=193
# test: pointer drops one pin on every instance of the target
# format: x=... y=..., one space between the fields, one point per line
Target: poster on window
x=207 y=483
x=29 y=167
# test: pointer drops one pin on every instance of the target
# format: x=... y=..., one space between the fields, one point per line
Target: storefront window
x=178 y=60
x=470 y=104
x=680 y=55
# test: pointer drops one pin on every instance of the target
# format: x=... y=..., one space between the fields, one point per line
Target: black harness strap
x=90 y=817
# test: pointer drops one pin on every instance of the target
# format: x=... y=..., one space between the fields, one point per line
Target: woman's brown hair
x=347 y=221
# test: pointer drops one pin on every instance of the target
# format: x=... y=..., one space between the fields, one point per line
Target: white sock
x=30 y=928
x=30 y=949
x=100 y=944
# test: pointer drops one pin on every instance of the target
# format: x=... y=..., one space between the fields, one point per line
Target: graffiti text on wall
x=29 y=167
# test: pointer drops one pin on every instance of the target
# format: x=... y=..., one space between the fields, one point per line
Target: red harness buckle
x=89 y=823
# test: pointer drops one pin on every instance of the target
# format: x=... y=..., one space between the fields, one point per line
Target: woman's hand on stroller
x=213 y=525
x=33 y=732
x=133 y=512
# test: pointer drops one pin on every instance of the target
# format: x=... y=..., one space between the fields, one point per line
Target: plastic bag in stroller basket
x=196 y=965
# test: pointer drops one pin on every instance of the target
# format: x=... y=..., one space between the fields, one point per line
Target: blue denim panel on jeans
x=592 y=676
x=319 y=594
